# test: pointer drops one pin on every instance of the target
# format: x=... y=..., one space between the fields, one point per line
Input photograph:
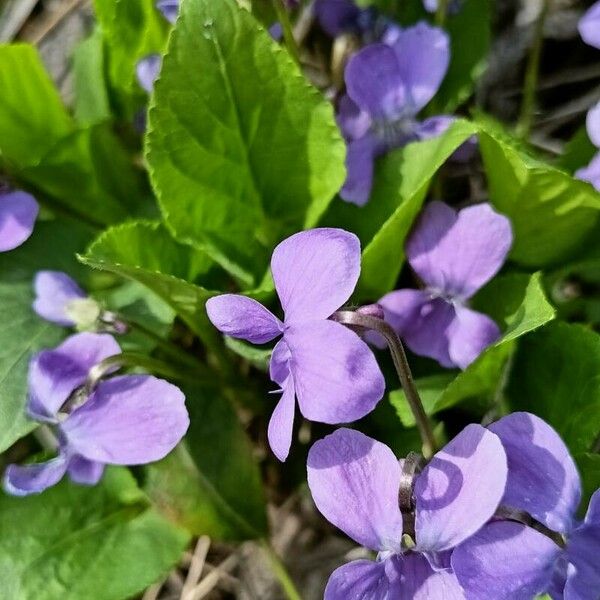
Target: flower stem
x=286 y=26
x=441 y=13
x=532 y=74
x=280 y=571
x=356 y=319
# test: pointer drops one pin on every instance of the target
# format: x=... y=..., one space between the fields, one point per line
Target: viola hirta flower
x=512 y=561
x=327 y=367
x=589 y=26
x=591 y=173
x=356 y=483
x=387 y=85
x=454 y=254
x=126 y=420
x=18 y=212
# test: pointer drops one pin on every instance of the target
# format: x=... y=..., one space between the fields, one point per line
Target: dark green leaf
x=556 y=375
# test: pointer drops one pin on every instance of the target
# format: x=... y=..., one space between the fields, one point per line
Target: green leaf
x=589 y=467
x=246 y=153
x=22 y=333
x=143 y=251
x=403 y=178
x=470 y=34
x=131 y=29
x=92 y=103
x=556 y=375
x=552 y=214
x=578 y=152
x=32 y=115
x=74 y=542
x=212 y=484
x=518 y=304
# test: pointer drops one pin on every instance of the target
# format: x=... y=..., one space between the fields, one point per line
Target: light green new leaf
x=552 y=214
x=22 y=333
x=145 y=252
x=556 y=375
x=74 y=542
x=32 y=115
x=92 y=103
x=212 y=483
x=131 y=29
x=518 y=304
x=242 y=150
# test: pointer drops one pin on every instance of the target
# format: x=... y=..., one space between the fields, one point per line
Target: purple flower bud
x=18 y=212
x=327 y=367
x=371 y=310
x=454 y=254
x=591 y=173
x=127 y=420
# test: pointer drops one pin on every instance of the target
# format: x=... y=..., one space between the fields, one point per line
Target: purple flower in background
x=147 y=71
x=591 y=173
x=355 y=482
x=454 y=254
x=18 y=212
x=454 y=6
x=327 y=367
x=498 y=562
x=337 y=17
x=589 y=26
x=127 y=420
x=169 y=9
x=387 y=85
x=55 y=294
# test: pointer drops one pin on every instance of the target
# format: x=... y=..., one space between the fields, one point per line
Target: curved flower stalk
x=18 y=212
x=328 y=368
x=356 y=483
x=589 y=26
x=454 y=254
x=125 y=420
x=387 y=86
x=544 y=483
x=591 y=173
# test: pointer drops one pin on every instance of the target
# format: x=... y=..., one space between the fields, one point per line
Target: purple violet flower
x=147 y=71
x=327 y=367
x=387 y=85
x=589 y=26
x=169 y=9
x=343 y=16
x=18 y=212
x=56 y=295
x=454 y=254
x=497 y=562
x=591 y=173
x=127 y=420
x=356 y=481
